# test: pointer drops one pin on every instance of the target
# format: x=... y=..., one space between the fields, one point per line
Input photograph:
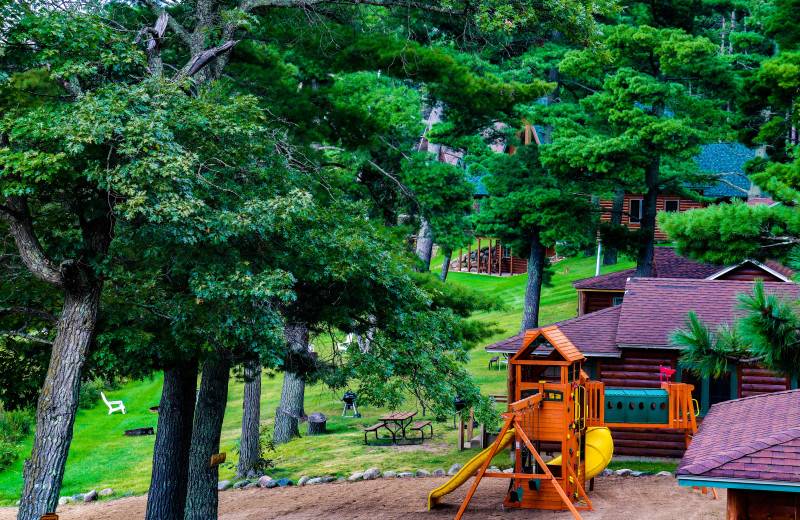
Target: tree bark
x=446 y=266
x=249 y=451
x=533 y=288
x=166 y=499
x=425 y=245
x=610 y=255
x=202 y=497
x=591 y=229
x=290 y=409
x=43 y=472
x=644 y=260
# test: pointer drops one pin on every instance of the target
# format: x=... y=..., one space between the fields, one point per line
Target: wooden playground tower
x=552 y=401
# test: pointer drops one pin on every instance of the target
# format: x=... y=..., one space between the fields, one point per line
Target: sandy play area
x=617 y=498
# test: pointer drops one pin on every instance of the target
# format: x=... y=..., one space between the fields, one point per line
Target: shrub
x=89 y=394
x=16 y=425
x=8 y=454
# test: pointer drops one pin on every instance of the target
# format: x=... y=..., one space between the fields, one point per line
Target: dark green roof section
x=480 y=189
x=722 y=159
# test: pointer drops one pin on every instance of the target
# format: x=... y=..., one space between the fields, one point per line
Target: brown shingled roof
x=593 y=334
x=654 y=307
x=752 y=438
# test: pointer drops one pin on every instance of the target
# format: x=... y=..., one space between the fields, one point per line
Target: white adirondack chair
x=342 y=345
x=113 y=406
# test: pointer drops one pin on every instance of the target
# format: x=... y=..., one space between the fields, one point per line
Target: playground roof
x=593 y=334
x=743 y=442
x=654 y=307
x=557 y=339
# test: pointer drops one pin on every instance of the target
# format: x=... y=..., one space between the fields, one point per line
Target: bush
x=8 y=454
x=89 y=394
x=16 y=425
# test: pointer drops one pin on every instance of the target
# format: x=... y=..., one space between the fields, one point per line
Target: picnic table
x=397 y=423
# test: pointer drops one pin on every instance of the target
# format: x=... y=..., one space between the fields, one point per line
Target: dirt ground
x=617 y=498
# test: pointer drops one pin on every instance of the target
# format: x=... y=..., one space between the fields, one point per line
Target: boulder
x=372 y=473
x=251 y=484
x=91 y=496
x=107 y=492
x=455 y=468
x=623 y=472
x=252 y=474
x=328 y=480
x=285 y=482
x=315 y=480
x=225 y=484
x=241 y=484
x=422 y=473
x=356 y=476
x=664 y=474
x=641 y=473
x=508 y=470
x=303 y=480
x=262 y=482
x=439 y=473
x=606 y=472
x=78 y=497
x=405 y=474
x=270 y=484
x=389 y=474
x=65 y=500
x=341 y=479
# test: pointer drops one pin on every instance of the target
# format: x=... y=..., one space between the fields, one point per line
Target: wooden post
x=737 y=504
x=469 y=426
x=461 y=430
x=490 y=257
x=511 y=261
x=483 y=436
x=469 y=258
x=460 y=255
x=478 y=256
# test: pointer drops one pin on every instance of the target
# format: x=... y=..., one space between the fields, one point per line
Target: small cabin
x=751 y=447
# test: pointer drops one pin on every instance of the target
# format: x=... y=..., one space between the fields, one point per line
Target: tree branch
x=201 y=60
x=22 y=335
x=30 y=250
x=174 y=24
x=249 y=5
x=27 y=310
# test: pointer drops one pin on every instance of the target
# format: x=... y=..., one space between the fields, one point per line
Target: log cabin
x=600 y=292
x=750 y=446
x=625 y=346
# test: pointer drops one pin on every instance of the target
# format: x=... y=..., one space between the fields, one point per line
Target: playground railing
x=594 y=411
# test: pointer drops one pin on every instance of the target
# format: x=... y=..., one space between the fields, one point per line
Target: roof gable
x=552 y=336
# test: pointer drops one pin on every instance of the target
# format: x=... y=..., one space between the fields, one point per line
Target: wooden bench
x=495 y=360
x=375 y=428
x=419 y=427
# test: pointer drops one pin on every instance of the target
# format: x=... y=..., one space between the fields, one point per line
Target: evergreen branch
x=22 y=335
x=405 y=190
x=249 y=5
x=32 y=312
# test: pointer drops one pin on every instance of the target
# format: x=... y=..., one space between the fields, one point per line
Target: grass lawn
x=101 y=456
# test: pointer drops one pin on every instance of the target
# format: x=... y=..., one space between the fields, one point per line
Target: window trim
x=631 y=219
x=614 y=299
x=677 y=206
x=705 y=386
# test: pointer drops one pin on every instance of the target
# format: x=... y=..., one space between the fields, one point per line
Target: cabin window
x=636 y=211
x=672 y=206
x=616 y=300
x=709 y=391
x=506 y=252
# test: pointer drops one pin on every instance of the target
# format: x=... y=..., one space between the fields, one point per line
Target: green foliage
x=89 y=393
x=15 y=425
x=8 y=454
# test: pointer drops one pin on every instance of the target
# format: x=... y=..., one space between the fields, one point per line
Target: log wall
x=683 y=205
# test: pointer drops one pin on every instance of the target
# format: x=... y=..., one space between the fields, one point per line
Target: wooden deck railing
x=595 y=403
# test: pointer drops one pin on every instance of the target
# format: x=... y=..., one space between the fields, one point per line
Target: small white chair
x=113 y=406
x=503 y=359
x=342 y=345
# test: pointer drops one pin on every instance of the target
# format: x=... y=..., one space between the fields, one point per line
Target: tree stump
x=316 y=424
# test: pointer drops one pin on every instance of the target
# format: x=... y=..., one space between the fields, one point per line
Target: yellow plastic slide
x=599 y=448
x=469 y=469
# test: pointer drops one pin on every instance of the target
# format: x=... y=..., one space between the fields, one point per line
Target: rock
x=328 y=480
x=225 y=484
x=454 y=469
x=372 y=473
x=18 y=502
x=389 y=474
x=107 y=492
x=315 y=480
x=65 y=500
x=241 y=484
x=285 y=482
x=341 y=479
x=356 y=476
x=128 y=494
x=251 y=484
x=623 y=472
x=252 y=474
x=494 y=469
x=641 y=473
x=262 y=482
x=91 y=496
x=439 y=473
x=405 y=474
x=78 y=497
x=664 y=474
x=508 y=470
x=606 y=472
x=270 y=484
x=303 y=480
x=422 y=473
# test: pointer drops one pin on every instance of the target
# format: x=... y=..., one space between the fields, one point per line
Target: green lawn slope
x=101 y=456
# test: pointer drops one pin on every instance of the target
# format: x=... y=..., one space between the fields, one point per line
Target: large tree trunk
x=249 y=452
x=202 y=496
x=610 y=256
x=425 y=245
x=166 y=499
x=43 y=472
x=290 y=409
x=591 y=229
x=446 y=265
x=644 y=260
x=533 y=288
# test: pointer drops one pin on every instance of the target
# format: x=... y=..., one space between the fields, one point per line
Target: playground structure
x=553 y=402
